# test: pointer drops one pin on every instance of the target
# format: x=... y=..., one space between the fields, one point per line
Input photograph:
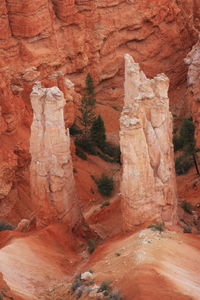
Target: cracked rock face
x=148 y=185
x=52 y=181
x=193 y=92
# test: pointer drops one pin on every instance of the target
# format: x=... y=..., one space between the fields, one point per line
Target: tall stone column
x=52 y=181
x=148 y=186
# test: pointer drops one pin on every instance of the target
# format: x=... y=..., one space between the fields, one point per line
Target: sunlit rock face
x=52 y=181
x=193 y=92
x=148 y=185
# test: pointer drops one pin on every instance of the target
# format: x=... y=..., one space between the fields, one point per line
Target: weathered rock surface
x=52 y=181
x=148 y=185
x=39 y=38
x=193 y=91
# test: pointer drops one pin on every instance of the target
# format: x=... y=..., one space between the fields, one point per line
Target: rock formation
x=193 y=92
x=148 y=185
x=39 y=38
x=52 y=181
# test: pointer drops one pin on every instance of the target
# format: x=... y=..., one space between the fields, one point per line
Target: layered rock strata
x=148 y=185
x=52 y=181
x=193 y=90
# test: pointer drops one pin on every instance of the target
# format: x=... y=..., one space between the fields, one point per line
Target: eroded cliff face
x=193 y=90
x=40 y=38
x=148 y=185
x=52 y=181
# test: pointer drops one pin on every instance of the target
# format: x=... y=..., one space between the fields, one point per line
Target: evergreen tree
x=90 y=94
x=98 y=132
x=87 y=115
x=187 y=136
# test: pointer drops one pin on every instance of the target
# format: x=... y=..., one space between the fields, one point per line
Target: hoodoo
x=52 y=181
x=148 y=185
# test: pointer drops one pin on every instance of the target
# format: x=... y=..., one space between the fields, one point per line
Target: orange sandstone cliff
x=40 y=38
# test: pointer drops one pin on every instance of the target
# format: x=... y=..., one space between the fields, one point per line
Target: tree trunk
x=196 y=165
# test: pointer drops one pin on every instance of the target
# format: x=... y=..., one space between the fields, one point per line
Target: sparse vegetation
x=85 y=144
x=5 y=226
x=80 y=153
x=92 y=243
x=157 y=226
x=114 y=295
x=187 y=229
x=186 y=142
x=105 y=288
x=98 y=132
x=83 y=286
x=186 y=206
x=182 y=164
x=178 y=143
x=74 y=130
x=105 y=203
x=105 y=185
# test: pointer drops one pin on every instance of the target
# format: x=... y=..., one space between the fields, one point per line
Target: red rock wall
x=38 y=38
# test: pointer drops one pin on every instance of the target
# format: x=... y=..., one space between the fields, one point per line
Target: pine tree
x=187 y=136
x=90 y=94
x=87 y=115
x=98 y=132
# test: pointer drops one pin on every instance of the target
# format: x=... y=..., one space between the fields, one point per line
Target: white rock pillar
x=148 y=186
x=51 y=171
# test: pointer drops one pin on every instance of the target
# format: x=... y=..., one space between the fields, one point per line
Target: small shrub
x=182 y=164
x=178 y=143
x=118 y=254
x=86 y=144
x=104 y=287
x=105 y=185
x=187 y=230
x=114 y=295
x=106 y=203
x=92 y=243
x=80 y=153
x=186 y=206
x=76 y=284
x=74 y=130
x=158 y=226
x=111 y=150
x=5 y=226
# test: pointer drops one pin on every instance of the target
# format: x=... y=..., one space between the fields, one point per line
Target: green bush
x=5 y=226
x=80 y=153
x=98 y=132
x=74 y=130
x=86 y=144
x=104 y=287
x=157 y=226
x=186 y=206
x=178 y=143
x=105 y=185
x=111 y=150
x=106 y=203
x=182 y=164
